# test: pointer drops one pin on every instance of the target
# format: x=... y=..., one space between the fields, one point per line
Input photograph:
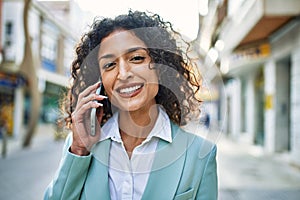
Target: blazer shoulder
x=197 y=144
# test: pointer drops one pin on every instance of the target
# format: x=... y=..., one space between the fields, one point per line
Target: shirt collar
x=111 y=129
x=161 y=129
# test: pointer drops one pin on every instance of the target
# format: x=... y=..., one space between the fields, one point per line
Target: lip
x=130 y=90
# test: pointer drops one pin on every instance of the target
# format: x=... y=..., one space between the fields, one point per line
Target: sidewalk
x=25 y=173
x=246 y=172
x=44 y=133
x=243 y=165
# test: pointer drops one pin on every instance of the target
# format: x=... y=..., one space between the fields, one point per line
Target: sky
x=182 y=14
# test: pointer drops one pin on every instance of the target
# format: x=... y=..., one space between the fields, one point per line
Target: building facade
x=260 y=63
x=52 y=43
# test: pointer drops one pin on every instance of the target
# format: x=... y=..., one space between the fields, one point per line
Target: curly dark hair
x=178 y=76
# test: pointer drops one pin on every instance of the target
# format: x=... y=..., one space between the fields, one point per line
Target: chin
x=132 y=105
x=130 y=108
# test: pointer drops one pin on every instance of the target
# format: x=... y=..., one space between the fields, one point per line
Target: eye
x=109 y=66
x=137 y=59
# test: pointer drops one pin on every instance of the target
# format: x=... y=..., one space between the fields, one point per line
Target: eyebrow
x=127 y=51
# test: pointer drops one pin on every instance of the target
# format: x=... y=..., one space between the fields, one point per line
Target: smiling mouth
x=130 y=91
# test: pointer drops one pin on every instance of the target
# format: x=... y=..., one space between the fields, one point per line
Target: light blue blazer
x=184 y=169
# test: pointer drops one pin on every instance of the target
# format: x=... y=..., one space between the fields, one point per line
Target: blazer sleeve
x=70 y=176
x=208 y=188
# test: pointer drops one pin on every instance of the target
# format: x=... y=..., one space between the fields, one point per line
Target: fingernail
x=99 y=104
x=105 y=97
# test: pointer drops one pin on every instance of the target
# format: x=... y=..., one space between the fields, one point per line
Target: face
x=125 y=70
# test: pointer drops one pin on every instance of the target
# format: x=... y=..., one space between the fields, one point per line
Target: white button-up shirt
x=128 y=177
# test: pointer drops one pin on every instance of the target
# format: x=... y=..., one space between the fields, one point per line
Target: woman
x=148 y=88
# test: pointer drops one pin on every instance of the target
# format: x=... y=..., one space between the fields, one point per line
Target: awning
x=11 y=80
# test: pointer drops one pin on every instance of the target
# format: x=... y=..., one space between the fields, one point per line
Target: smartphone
x=93 y=114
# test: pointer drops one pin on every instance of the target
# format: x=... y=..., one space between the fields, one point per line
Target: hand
x=82 y=139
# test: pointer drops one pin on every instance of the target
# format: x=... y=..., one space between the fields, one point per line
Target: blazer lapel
x=167 y=166
x=97 y=181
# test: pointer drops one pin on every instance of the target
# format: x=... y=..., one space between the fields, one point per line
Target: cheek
x=107 y=81
x=152 y=78
x=153 y=83
x=153 y=91
x=107 y=88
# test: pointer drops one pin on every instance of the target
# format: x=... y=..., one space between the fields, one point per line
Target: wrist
x=80 y=151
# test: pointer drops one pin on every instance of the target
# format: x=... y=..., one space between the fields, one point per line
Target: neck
x=136 y=126
x=138 y=123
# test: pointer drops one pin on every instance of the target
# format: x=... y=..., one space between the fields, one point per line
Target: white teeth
x=130 y=89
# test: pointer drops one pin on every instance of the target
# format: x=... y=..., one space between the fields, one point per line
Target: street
x=244 y=173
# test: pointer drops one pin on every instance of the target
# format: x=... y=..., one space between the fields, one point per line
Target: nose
x=124 y=70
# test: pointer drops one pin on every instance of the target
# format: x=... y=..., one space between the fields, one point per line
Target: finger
x=91 y=97
x=88 y=106
x=85 y=100
x=79 y=114
x=100 y=97
x=88 y=90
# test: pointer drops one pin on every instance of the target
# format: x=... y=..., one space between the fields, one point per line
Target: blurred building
x=51 y=28
x=260 y=63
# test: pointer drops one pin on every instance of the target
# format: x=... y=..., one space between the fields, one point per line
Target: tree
x=28 y=68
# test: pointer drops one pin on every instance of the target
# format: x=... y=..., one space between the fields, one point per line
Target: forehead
x=118 y=42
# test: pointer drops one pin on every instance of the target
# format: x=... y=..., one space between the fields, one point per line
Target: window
x=9 y=50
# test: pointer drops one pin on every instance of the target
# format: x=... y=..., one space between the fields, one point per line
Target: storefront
x=9 y=82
